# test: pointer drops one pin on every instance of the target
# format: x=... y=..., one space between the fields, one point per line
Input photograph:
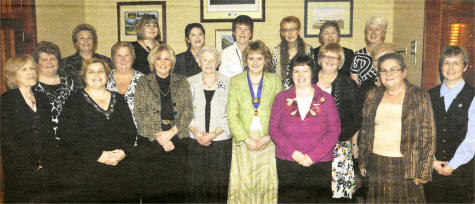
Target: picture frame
x=228 y=10
x=318 y=12
x=223 y=39
x=129 y=13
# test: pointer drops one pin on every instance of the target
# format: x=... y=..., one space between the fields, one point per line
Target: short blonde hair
x=121 y=44
x=384 y=47
x=153 y=55
x=334 y=48
x=94 y=60
x=257 y=47
x=14 y=64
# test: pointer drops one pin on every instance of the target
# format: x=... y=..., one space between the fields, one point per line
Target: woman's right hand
x=298 y=156
x=108 y=158
x=251 y=144
x=168 y=146
x=363 y=172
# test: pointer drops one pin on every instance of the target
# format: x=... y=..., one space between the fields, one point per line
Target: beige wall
x=57 y=18
x=408 y=26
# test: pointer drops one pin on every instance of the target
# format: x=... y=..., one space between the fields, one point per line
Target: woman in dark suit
x=163 y=110
x=97 y=131
x=27 y=140
x=148 y=37
x=187 y=62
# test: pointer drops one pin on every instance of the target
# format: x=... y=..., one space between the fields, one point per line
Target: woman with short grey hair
x=210 y=150
x=375 y=34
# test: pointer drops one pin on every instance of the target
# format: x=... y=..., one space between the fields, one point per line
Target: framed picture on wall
x=129 y=13
x=317 y=12
x=228 y=10
x=224 y=38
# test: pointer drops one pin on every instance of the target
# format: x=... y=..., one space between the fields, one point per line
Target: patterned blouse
x=129 y=95
x=57 y=96
x=363 y=66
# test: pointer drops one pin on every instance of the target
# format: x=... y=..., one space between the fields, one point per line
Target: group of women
x=245 y=126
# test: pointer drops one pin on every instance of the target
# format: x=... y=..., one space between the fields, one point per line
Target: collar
x=453 y=92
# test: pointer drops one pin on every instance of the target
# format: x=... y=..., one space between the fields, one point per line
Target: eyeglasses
x=331 y=58
x=390 y=71
x=288 y=30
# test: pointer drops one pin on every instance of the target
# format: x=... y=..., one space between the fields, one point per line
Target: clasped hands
x=111 y=157
x=442 y=167
x=302 y=159
x=164 y=139
x=204 y=138
x=257 y=144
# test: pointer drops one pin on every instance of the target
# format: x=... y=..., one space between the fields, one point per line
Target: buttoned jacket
x=147 y=105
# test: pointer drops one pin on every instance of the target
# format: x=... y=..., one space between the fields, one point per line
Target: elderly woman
x=375 y=33
x=397 y=136
x=97 y=131
x=210 y=149
x=57 y=88
x=454 y=110
x=187 y=62
x=231 y=58
x=163 y=110
x=27 y=137
x=85 y=42
x=345 y=92
x=304 y=124
x=251 y=94
x=148 y=37
x=290 y=45
x=330 y=32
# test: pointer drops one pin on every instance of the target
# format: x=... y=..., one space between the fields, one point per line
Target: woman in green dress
x=253 y=176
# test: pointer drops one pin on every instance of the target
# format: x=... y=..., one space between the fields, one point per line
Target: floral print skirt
x=343 y=174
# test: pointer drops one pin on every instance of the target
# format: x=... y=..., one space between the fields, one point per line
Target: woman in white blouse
x=210 y=149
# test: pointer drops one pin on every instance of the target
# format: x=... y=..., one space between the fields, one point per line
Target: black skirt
x=164 y=174
x=298 y=184
x=209 y=171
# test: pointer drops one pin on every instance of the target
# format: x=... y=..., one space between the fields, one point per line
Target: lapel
x=153 y=86
x=458 y=100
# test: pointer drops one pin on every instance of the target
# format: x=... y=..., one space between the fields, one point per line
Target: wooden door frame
x=432 y=43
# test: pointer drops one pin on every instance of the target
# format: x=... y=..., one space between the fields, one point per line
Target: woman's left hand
x=263 y=142
x=164 y=137
x=307 y=161
x=418 y=181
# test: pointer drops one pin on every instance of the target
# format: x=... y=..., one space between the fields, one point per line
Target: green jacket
x=240 y=108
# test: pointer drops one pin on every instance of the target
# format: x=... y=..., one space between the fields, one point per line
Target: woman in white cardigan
x=210 y=151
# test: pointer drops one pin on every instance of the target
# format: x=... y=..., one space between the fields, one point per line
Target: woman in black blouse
x=27 y=139
x=187 y=62
x=331 y=58
x=97 y=131
x=56 y=87
x=148 y=37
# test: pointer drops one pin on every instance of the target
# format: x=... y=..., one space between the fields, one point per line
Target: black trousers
x=298 y=184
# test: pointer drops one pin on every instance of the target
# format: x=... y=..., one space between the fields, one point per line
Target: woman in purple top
x=304 y=125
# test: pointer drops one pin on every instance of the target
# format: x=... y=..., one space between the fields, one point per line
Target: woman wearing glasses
x=397 y=136
x=291 y=45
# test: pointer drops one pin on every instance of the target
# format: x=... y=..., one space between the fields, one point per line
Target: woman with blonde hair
x=290 y=45
x=250 y=98
x=27 y=138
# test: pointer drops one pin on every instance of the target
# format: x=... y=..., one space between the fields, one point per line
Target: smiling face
x=290 y=31
x=391 y=74
x=95 y=76
x=196 y=38
x=374 y=34
x=163 y=63
x=242 y=33
x=453 y=68
x=47 y=64
x=256 y=62
x=302 y=76
x=26 y=75
x=150 y=30
x=123 y=59
x=329 y=62
x=330 y=34
x=208 y=63
x=85 y=42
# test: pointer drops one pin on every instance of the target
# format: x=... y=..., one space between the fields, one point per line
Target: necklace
x=166 y=93
x=32 y=100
